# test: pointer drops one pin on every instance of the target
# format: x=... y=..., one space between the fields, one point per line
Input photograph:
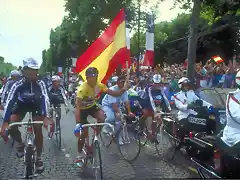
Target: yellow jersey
x=88 y=95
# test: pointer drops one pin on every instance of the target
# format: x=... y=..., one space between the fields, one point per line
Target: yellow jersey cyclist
x=86 y=105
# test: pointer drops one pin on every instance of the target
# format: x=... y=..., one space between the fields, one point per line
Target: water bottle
x=77 y=130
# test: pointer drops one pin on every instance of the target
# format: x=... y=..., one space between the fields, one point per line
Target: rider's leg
x=100 y=115
x=38 y=141
x=16 y=135
x=110 y=118
x=143 y=118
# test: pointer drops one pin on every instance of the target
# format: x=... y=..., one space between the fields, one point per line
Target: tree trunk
x=192 y=40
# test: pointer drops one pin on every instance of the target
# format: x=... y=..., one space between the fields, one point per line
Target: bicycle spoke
x=128 y=143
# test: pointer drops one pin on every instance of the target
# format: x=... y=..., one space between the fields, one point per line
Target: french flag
x=149 y=54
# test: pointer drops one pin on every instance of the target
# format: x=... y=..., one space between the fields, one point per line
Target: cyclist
x=86 y=104
x=14 y=76
x=111 y=105
x=57 y=95
x=153 y=96
x=27 y=95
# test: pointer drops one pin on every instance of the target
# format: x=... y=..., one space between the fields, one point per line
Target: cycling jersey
x=88 y=95
x=156 y=96
x=57 y=96
x=6 y=89
x=30 y=94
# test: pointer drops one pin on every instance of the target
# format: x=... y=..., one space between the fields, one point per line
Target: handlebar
x=25 y=123
x=97 y=124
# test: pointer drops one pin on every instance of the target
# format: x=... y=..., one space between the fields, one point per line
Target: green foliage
x=87 y=19
x=5 y=67
x=84 y=23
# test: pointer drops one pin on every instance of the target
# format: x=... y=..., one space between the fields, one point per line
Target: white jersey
x=231 y=132
x=183 y=99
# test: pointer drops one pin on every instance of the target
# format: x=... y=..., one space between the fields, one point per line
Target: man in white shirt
x=231 y=133
x=111 y=105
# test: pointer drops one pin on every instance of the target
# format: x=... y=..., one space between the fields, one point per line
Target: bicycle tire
x=58 y=134
x=97 y=154
x=104 y=142
x=159 y=143
x=135 y=134
x=29 y=162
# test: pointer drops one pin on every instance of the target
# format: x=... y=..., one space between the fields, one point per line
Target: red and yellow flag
x=107 y=52
x=217 y=59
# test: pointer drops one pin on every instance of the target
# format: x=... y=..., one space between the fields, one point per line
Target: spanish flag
x=217 y=59
x=107 y=52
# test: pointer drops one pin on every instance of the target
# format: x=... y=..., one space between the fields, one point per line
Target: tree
x=5 y=67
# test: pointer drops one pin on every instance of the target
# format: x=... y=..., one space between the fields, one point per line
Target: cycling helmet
x=238 y=79
x=30 y=63
x=183 y=80
x=15 y=73
x=91 y=71
x=157 y=78
x=56 y=78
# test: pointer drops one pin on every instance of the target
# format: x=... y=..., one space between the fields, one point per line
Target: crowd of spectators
x=208 y=75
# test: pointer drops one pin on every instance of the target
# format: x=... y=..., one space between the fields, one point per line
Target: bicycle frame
x=94 y=138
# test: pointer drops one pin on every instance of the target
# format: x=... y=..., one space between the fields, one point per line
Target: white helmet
x=30 y=63
x=56 y=78
x=182 y=81
x=15 y=73
x=238 y=78
x=157 y=78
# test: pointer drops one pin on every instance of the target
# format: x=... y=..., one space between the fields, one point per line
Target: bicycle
x=92 y=151
x=121 y=137
x=56 y=126
x=29 y=148
x=158 y=138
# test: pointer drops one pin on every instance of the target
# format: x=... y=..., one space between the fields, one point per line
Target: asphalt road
x=59 y=163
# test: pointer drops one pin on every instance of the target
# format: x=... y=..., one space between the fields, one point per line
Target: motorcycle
x=212 y=156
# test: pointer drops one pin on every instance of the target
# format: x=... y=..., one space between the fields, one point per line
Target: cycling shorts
x=23 y=108
x=84 y=113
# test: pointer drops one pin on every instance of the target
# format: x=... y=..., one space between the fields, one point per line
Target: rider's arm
x=205 y=103
x=151 y=99
x=105 y=89
x=45 y=99
x=179 y=104
x=113 y=101
x=5 y=88
x=64 y=96
x=167 y=104
x=126 y=102
x=78 y=110
x=11 y=99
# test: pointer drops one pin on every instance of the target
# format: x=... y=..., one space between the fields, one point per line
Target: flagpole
x=138 y=53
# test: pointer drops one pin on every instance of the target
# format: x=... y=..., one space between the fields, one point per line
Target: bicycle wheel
x=58 y=134
x=128 y=143
x=97 y=161
x=106 y=139
x=163 y=144
x=29 y=162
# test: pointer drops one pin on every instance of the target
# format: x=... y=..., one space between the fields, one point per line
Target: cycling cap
x=30 y=63
x=157 y=78
x=56 y=78
x=91 y=71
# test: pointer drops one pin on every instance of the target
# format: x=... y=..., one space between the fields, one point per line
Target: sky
x=25 y=26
